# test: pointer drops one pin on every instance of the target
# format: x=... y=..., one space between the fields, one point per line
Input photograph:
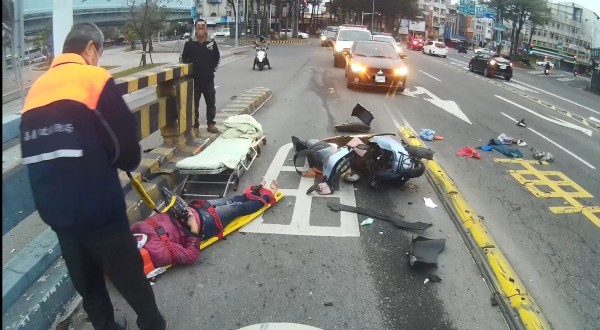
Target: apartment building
x=569 y=33
x=435 y=12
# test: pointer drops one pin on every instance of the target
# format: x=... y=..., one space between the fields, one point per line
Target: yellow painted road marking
x=510 y=286
x=558 y=186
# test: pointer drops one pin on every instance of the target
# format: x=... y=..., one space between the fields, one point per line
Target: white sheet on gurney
x=229 y=149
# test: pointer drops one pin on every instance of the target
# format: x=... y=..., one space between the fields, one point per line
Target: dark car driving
x=415 y=44
x=491 y=65
x=375 y=63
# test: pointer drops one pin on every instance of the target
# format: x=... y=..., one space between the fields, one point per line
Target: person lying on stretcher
x=174 y=237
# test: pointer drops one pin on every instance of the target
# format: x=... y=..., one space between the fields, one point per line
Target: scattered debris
x=510 y=152
x=365 y=116
x=429 y=202
x=521 y=143
x=542 y=155
x=493 y=301
x=367 y=221
x=426 y=280
x=289 y=203
x=380 y=233
x=351 y=177
x=50 y=251
x=481 y=217
x=337 y=207
x=427 y=134
x=469 y=152
x=521 y=123
x=438 y=137
x=425 y=251
x=410 y=203
x=330 y=303
x=433 y=278
x=13 y=250
x=504 y=139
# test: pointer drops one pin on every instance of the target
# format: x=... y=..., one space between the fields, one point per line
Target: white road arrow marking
x=552 y=120
x=448 y=106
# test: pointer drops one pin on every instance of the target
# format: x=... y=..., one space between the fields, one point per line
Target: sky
x=593 y=5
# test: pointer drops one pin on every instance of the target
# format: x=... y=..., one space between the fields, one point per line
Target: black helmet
x=261 y=38
x=179 y=210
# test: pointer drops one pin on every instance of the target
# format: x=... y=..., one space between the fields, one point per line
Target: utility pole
x=237 y=21
x=373 y=17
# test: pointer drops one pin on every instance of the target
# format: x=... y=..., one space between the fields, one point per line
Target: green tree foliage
x=522 y=11
x=145 y=17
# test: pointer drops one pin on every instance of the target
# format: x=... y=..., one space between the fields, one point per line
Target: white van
x=344 y=39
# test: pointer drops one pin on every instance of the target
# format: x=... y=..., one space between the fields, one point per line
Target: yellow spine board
x=239 y=222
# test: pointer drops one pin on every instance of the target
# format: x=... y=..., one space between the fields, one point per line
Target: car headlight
x=511 y=64
x=401 y=71
x=493 y=62
x=357 y=67
x=323 y=38
x=338 y=48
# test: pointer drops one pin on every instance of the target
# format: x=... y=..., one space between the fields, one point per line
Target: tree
x=539 y=18
x=520 y=12
x=110 y=32
x=144 y=18
x=501 y=7
x=42 y=40
x=395 y=10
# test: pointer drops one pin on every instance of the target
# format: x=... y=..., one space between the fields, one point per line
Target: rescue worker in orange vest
x=76 y=131
x=174 y=237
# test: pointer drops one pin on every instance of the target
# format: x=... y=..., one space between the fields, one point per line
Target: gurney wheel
x=264 y=142
x=257 y=151
x=235 y=187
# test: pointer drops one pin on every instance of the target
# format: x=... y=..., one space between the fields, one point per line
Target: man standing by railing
x=76 y=131
x=205 y=57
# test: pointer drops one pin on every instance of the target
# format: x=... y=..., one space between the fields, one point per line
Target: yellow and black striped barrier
x=171 y=113
x=506 y=284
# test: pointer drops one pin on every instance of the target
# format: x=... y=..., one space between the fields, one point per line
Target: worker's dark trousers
x=208 y=90
x=90 y=257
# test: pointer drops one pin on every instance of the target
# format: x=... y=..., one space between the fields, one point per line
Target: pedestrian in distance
x=204 y=55
x=76 y=131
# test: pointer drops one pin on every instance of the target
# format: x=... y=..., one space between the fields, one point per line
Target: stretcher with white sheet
x=217 y=169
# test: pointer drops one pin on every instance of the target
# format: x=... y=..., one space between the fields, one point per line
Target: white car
x=483 y=50
x=392 y=41
x=543 y=63
x=39 y=59
x=288 y=33
x=435 y=48
x=344 y=39
x=222 y=33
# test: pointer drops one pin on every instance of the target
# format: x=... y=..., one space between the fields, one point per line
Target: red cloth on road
x=469 y=152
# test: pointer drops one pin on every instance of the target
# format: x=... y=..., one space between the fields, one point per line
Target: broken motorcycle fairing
x=383 y=158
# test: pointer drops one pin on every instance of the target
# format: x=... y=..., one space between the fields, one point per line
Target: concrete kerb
x=518 y=306
x=136 y=209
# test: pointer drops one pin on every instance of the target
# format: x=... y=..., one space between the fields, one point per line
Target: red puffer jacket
x=185 y=249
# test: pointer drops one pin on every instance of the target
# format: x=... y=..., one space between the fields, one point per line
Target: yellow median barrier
x=509 y=285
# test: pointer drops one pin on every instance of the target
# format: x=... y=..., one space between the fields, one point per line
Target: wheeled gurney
x=217 y=169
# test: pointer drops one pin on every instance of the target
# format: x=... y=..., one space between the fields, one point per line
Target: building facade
x=435 y=12
x=569 y=34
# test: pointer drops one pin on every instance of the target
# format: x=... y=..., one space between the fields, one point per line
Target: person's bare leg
x=274 y=186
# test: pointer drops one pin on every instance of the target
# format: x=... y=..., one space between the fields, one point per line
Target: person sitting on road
x=262 y=43
x=174 y=237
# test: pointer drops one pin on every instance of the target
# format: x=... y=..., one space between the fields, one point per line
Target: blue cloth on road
x=486 y=148
x=510 y=152
x=427 y=134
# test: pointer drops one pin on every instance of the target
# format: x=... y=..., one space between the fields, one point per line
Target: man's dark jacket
x=76 y=130
x=205 y=58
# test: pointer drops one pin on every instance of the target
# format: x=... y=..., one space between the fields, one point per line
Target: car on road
x=435 y=48
x=543 y=63
x=288 y=33
x=392 y=41
x=222 y=33
x=328 y=38
x=491 y=65
x=375 y=63
x=415 y=44
x=483 y=50
x=39 y=59
x=344 y=39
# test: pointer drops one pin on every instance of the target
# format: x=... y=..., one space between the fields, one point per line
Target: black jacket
x=205 y=58
x=76 y=131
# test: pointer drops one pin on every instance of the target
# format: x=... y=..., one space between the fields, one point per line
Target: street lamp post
x=373 y=16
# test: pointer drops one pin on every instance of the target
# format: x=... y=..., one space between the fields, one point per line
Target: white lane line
x=425 y=73
x=560 y=97
x=554 y=143
x=563 y=123
x=461 y=62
